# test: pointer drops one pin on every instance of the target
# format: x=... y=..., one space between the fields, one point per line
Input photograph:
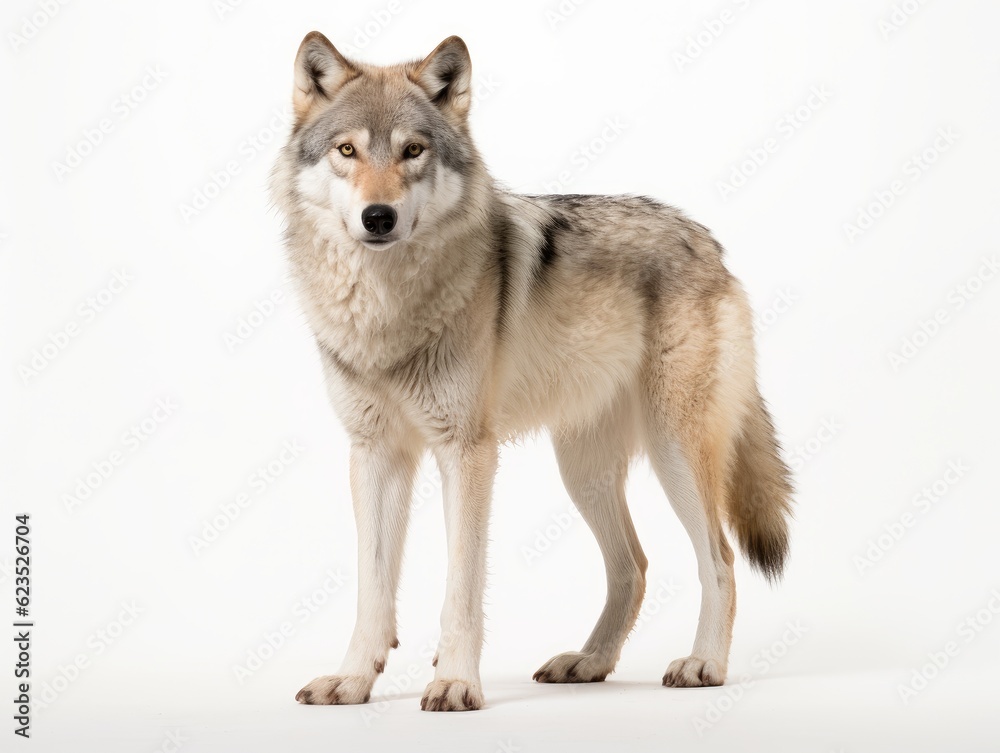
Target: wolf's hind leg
x=691 y=479
x=593 y=461
x=696 y=393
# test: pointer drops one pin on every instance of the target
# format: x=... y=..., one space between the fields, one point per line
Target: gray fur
x=362 y=105
x=485 y=315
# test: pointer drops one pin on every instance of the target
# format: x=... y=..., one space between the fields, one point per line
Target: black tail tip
x=767 y=556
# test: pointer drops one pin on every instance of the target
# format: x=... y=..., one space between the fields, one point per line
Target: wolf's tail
x=759 y=494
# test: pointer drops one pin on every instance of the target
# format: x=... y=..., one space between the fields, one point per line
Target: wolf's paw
x=452 y=695
x=694 y=672
x=573 y=666
x=335 y=690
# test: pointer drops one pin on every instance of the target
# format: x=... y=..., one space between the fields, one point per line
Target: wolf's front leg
x=382 y=475
x=467 y=473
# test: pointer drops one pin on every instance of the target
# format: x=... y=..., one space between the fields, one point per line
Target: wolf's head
x=378 y=153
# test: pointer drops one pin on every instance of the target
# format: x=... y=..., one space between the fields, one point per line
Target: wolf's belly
x=567 y=360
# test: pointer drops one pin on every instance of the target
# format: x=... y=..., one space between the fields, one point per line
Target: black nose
x=379 y=219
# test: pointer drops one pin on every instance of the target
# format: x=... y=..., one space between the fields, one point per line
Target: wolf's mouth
x=378 y=242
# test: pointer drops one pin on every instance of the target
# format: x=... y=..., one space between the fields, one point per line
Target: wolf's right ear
x=319 y=71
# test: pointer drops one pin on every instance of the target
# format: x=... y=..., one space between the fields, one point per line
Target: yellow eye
x=414 y=150
x=346 y=149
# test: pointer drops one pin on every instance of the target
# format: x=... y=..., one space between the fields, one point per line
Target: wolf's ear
x=446 y=76
x=319 y=71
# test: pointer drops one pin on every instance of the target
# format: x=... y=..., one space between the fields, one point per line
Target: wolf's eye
x=346 y=149
x=414 y=150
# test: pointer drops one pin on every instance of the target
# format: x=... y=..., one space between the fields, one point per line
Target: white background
x=866 y=433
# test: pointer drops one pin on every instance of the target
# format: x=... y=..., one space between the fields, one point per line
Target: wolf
x=452 y=315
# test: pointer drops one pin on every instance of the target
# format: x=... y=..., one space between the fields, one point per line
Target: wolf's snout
x=379 y=219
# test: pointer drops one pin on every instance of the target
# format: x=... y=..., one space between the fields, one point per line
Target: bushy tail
x=759 y=494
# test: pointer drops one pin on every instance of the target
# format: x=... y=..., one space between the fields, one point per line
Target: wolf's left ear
x=446 y=76
x=319 y=71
